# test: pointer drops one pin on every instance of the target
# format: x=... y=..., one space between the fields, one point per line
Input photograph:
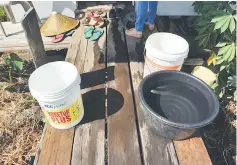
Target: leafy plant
x=13 y=62
x=216 y=28
x=3 y=16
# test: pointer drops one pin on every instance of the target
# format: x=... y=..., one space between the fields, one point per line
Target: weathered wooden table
x=113 y=130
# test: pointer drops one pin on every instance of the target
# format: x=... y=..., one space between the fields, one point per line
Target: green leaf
x=203 y=41
x=235 y=95
x=231 y=81
x=235 y=16
x=14 y=61
x=223 y=66
x=206 y=41
x=223 y=50
x=219 y=61
x=221 y=44
x=232 y=25
x=15 y=57
x=18 y=65
x=214 y=86
x=222 y=92
x=227 y=54
x=203 y=29
x=214 y=60
x=200 y=37
x=226 y=25
x=7 y=60
x=218 y=57
x=218 y=18
x=207 y=50
x=232 y=56
x=219 y=13
x=220 y=23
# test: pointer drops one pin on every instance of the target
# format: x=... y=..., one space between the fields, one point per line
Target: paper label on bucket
x=65 y=116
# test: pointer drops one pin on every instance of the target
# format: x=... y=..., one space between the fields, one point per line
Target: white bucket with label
x=56 y=86
x=164 y=51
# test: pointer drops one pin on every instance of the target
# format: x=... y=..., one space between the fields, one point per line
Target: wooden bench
x=113 y=130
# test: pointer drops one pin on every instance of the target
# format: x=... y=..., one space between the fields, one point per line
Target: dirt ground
x=220 y=136
x=21 y=122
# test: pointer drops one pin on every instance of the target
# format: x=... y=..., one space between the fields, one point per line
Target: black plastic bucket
x=175 y=103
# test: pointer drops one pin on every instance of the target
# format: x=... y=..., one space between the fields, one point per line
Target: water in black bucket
x=180 y=103
x=175 y=103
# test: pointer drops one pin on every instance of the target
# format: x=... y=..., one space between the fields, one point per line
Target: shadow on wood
x=116 y=46
x=94 y=78
x=94 y=104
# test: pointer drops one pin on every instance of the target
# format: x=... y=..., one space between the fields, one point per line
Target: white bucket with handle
x=56 y=86
x=164 y=51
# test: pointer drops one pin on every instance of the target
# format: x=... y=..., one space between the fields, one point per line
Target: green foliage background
x=216 y=28
x=3 y=16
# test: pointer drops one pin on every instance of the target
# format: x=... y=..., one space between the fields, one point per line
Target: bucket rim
x=168 y=55
x=54 y=95
x=47 y=97
x=179 y=124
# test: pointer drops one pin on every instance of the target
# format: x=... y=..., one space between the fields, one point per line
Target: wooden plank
x=89 y=140
x=81 y=55
x=194 y=61
x=40 y=146
x=23 y=43
x=156 y=150
x=74 y=46
x=173 y=155
x=56 y=147
x=32 y=5
x=123 y=146
x=192 y=151
x=16 y=39
x=34 y=39
x=47 y=47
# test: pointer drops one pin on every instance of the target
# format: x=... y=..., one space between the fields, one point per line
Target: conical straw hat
x=57 y=24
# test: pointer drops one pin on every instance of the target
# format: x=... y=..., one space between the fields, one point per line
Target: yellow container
x=204 y=74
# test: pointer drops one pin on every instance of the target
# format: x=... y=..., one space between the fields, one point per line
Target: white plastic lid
x=53 y=79
x=167 y=45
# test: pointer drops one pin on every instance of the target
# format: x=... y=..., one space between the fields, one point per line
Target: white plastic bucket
x=164 y=51
x=56 y=86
